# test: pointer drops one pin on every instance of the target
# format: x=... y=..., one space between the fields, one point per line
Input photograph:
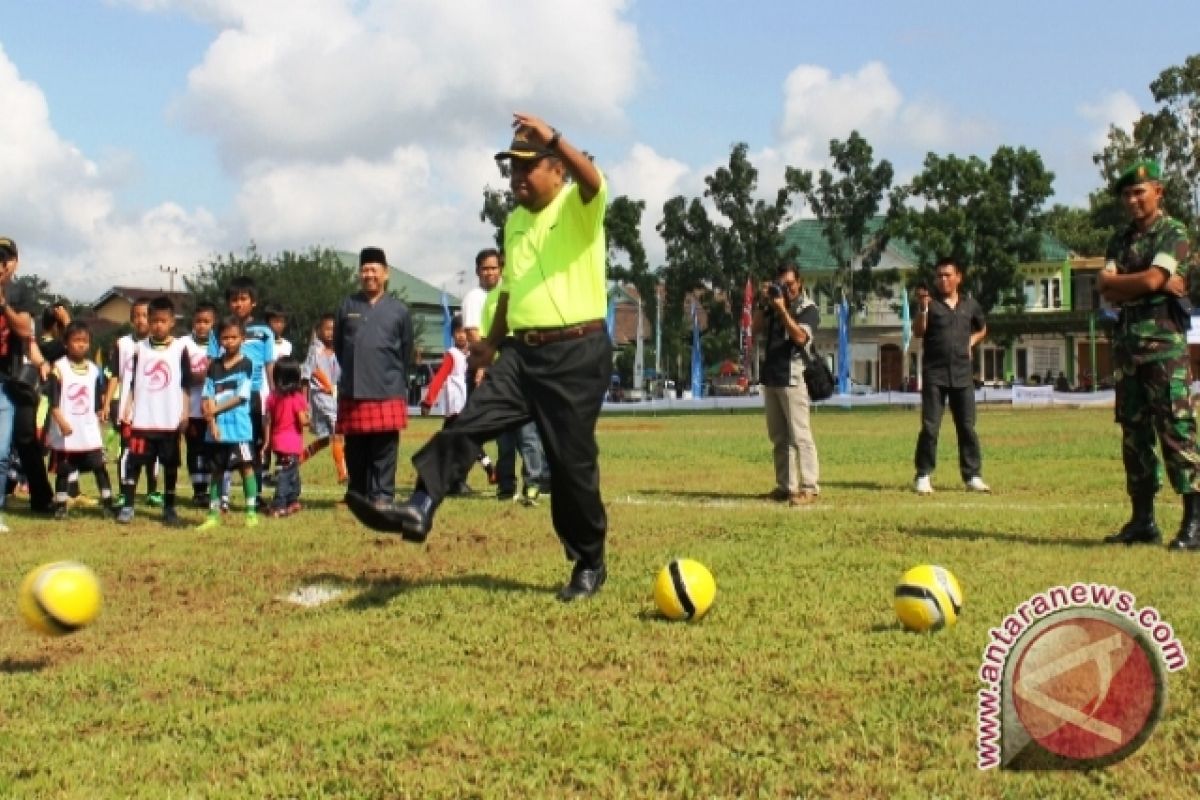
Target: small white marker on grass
x=312 y=596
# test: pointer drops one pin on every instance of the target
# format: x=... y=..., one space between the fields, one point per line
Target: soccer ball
x=60 y=598
x=684 y=589
x=928 y=598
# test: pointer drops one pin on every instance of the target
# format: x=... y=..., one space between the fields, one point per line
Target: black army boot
x=1188 y=537
x=1141 y=528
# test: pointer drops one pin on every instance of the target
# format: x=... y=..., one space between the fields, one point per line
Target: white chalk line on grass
x=822 y=504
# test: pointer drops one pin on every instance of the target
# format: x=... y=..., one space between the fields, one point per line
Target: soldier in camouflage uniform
x=1145 y=275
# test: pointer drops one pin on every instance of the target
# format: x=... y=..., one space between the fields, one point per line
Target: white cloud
x=388 y=203
x=324 y=80
x=342 y=122
x=1117 y=109
x=819 y=106
x=59 y=206
x=646 y=175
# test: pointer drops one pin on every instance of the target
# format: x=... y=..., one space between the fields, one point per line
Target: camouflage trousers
x=1152 y=377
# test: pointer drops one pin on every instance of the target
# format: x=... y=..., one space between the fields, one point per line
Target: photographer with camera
x=788 y=319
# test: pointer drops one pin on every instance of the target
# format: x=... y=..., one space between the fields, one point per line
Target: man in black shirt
x=16 y=333
x=950 y=325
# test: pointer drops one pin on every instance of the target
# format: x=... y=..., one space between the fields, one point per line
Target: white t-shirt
x=198 y=356
x=455 y=390
x=472 y=308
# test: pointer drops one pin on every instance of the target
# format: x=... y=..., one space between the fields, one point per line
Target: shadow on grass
x=702 y=495
x=872 y=485
x=966 y=535
x=373 y=593
x=18 y=666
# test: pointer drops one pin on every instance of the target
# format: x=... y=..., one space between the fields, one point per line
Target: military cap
x=1139 y=172
x=524 y=149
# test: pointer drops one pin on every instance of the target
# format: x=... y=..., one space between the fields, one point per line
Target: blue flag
x=612 y=321
x=843 y=359
x=905 y=322
x=697 y=356
x=447 y=324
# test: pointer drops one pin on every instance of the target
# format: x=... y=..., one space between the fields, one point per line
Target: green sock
x=250 y=487
x=214 y=497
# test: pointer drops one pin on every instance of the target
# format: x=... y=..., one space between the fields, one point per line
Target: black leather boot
x=1141 y=528
x=1188 y=537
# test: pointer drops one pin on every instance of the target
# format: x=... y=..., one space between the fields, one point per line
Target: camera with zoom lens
x=774 y=290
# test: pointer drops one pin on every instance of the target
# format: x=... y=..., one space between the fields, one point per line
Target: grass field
x=449 y=670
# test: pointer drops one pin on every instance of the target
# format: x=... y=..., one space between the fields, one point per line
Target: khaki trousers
x=796 y=465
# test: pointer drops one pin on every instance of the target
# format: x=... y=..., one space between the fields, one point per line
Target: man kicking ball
x=556 y=364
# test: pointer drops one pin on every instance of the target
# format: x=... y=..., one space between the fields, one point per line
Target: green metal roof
x=415 y=291
x=814 y=255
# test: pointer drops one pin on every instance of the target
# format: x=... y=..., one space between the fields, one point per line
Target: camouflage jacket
x=1166 y=243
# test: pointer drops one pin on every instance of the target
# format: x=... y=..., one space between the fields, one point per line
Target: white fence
x=1018 y=397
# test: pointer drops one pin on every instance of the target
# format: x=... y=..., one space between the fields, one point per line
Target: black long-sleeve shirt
x=373 y=344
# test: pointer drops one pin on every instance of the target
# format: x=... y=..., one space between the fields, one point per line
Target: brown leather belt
x=536 y=337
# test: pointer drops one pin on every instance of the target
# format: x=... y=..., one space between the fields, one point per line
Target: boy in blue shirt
x=226 y=405
x=258 y=347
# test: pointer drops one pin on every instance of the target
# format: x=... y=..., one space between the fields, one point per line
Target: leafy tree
x=846 y=202
x=1077 y=229
x=1171 y=135
x=712 y=257
x=38 y=288
x=305 y=284
x=986 y=215
x=497 y=205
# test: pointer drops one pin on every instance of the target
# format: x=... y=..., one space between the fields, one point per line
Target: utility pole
x=172 y=271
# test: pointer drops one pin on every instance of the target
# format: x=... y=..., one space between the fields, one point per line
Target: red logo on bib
x=158 y=376
x=79 y=400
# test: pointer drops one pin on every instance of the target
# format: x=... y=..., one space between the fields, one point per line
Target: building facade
x=1055 y=326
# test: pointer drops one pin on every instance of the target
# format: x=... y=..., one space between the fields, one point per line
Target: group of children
x=231 y=387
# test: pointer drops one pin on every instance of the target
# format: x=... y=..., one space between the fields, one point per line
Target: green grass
x=450 y=671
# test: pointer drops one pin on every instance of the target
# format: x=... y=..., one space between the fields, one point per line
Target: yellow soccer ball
x=684 y=589
x=60 y=598
x=928 y=598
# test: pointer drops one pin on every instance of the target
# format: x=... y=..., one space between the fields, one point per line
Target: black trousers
x=33 y=456
x=561 y=387
x=371 y=464
x=962 y=409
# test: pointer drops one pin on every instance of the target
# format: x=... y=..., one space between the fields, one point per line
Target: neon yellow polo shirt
x=488 y=313
x=554 y=261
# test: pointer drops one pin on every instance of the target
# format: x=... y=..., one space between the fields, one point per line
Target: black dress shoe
x=406 y=520
x=584 y=582
x=1136 y=534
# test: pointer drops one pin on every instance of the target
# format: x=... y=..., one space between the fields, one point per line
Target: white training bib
x=157 y=386
x=77 y=402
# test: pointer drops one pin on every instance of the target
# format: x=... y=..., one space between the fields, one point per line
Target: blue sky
x=173 y=129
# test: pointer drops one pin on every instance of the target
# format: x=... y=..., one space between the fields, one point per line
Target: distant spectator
x=1062 y=384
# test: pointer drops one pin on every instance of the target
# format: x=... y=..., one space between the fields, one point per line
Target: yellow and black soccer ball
x=928 y=598
x=684 y=589
x=60 y=598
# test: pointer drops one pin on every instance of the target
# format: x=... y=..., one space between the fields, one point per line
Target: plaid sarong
x=371 y=416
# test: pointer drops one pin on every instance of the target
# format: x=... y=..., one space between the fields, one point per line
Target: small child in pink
x=284 y=423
